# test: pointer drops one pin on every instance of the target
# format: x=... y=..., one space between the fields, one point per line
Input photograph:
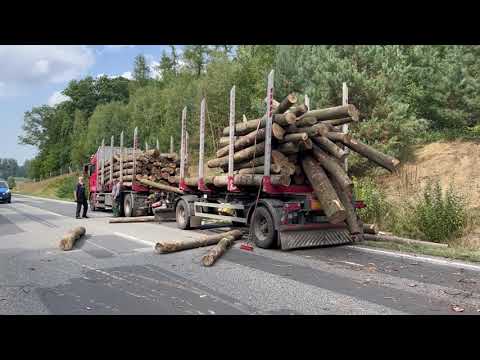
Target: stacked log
x=308 y=148
x=150 y=165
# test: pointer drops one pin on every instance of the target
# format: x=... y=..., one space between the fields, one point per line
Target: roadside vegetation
x=59 y=187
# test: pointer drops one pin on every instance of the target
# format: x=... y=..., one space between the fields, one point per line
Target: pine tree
x=141 y=72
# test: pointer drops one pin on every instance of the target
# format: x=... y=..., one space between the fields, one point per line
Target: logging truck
x=138 y=198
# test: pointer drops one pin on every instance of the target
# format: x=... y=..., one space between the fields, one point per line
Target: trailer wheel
x=263 y=228
x=181 y=213
x=128 y=206
x=92 y=203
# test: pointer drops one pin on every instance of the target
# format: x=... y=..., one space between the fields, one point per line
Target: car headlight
x=7 y=192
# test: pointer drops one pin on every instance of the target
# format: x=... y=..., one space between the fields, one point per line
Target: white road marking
x=431 y=260
x=47 y=211
x=130 y=237
x=101 y=247
x=47 y=199
x=351 y=263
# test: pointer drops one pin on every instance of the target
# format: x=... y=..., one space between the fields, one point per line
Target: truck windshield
x=3 y=185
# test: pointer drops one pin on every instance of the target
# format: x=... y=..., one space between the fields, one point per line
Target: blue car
x=5 y=194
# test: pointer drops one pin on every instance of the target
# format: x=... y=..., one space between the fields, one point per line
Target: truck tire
x=263 y=228
x=129 y=206
x=182 y=215
x=92 y=203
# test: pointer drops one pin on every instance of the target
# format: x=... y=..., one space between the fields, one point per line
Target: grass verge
x=449 y=253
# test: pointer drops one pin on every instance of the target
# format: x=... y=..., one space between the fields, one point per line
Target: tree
x=141 y=72
x=11 y=182
x=195 y=57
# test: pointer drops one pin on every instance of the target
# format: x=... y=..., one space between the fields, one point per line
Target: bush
x=11 y=182
x=66 y=187
x=439 y=216
x=374 y=199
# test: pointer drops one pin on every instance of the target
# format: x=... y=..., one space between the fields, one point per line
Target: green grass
x=59 y=187
x=450 y=252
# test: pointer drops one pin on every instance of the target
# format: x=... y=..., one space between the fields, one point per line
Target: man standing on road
x=81 y=198
x=115 y=198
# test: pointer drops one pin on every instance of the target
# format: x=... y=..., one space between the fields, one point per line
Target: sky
x=33 y=75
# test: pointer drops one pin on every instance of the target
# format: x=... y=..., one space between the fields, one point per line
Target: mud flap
x=305 y=238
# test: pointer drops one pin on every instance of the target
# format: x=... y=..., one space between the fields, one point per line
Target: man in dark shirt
x=81 y=198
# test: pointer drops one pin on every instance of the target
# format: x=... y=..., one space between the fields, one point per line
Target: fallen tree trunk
x=323 y=188
x=286 y=104
x=312 y=131
x=336 y=122
x=249 y=139
x=329 y=146
x=69 y=239
x=288 y=148
x=274 y=169
x=296 y=137
x=132 y=219
x=244 y=128
x=251 y=180
x=333 y=168
x=242 y=155
x=400 y=240
x=163 y=247
x=387 y=162
x=298 y=110
x=218 y=250
x=306 y=121
x=334 y=113
x=370 y=229
x=160 y=186
x=351 y=219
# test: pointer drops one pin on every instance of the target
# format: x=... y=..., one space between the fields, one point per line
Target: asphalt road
x=115 y=271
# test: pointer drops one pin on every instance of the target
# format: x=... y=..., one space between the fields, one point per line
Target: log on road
x=218 y=250
x=132 y=219
x=400 y=240
x=370 y=229
x=69 y=239
x=163 y=247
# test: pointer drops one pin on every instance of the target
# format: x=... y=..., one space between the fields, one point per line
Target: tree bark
x=306 y=121
x=218 y=250
x=295 y=137
x=370 y=229
x=329 y=146
x=286 y=104
x=334 y=113
x=306 y=145
x=326 y=194
x=132 y=219
x=288 y=148
x=249 y=139
x=163 y=247
x=160 y=186
x=387 y=162
x=251 y=180
x=69 y=239
x=345 y=197
x=333 y=168
x=336 y=122
x=314 y=130
x=298 y=110
x=244 y=128
x=274 y=169
x=242 y=155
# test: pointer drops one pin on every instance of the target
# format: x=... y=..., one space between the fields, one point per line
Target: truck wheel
x=182 y=215
x=263 y=228
x=128 y=206
x=92 y=203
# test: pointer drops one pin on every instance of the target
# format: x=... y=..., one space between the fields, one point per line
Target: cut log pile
x=151 y=165
x=308 y=148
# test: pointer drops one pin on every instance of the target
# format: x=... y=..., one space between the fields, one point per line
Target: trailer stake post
x=121 y=156
x=345 y=126
x=103 y=164
x=111 y=159
x=182 y=184
x=231 y=149
x=171 y=145
x=268 y=132
x=135 y=147
x=201 y=169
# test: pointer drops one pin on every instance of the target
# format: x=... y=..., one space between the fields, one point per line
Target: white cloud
x=117 y=47
x=23 y=65
x=127 y=75
x=56 y=98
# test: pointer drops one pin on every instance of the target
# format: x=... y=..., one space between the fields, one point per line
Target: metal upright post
x=186 y=151
x=201 y=181
x=158 y=145
x=307 y=101
x=103 y=164
x=135 y=147
x=111 y=159
x=182 y=150
x=121 y=156
x=171 y=145
x=146 y=146
x=231 y=148
x=345 y=126
x=268 y=127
